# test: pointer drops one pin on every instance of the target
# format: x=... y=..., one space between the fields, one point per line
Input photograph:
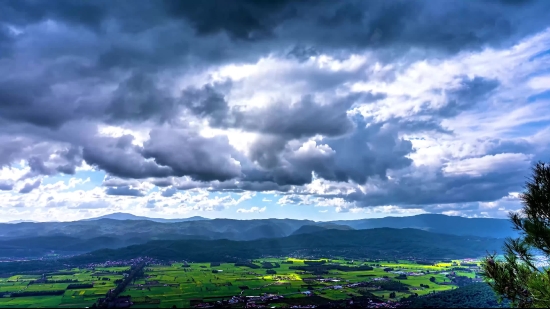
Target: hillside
x=478 y=295
x=482 y=227
x=384 y=242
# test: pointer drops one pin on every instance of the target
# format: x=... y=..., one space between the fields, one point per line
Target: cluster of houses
x=371 y=304
x=119 y=302
x=147 y=260
x=249 y=301
x=409 y=273
x=328 y=280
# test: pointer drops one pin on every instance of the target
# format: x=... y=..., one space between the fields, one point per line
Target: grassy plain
x=165 y=286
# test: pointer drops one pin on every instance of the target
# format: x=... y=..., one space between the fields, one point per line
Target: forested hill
x=384 y=242
x=478 y=295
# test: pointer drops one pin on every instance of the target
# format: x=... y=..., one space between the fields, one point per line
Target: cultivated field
x=102 y=280
x=184 y=285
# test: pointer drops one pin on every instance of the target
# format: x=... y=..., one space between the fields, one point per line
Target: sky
x=306 y=109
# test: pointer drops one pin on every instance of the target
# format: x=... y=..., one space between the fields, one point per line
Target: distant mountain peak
x=21 y=221
x=128 y=216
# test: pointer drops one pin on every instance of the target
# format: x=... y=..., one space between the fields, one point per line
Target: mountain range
x=484 y=227
x=384 y=243
x=373 y=243
x=120 y=230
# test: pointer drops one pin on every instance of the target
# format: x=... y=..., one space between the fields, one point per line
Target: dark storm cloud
x=119 y=157
x=207 y=102
x=86 y=13
x=31 y=102
x=15 y=147
x=138 y=98
x=370 y=151
x=38 y=168
x=232 y=186
x=168 y=152
x=366 y=152
x=189 y=154
x=29 y=186
x=6 y=39
x=349 y=24
x=302 y=53
x=260 y=27
x=266 y=149
x=414 y=126
x=242 y=20
x=304 y=118
x=73 y=159
x=162 y=182
x=470 y=93
x=124 y=191
x=412 y=191
x=102 y=61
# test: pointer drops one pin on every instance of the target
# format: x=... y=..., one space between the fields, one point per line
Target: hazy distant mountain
x=35 y=247
x=127 y=216
x=308 y=229
x=483 y=227
x=20 y=221
x=126 y=226
x=148 y=229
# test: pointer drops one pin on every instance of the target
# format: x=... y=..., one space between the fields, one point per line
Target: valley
x=125 y=261
x=273 y=282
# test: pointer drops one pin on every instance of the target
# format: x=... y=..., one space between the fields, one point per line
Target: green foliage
x=76 y=286
x=517 y=277
x=424 y=262
x=468 y=264
x=321 y=262
x=477 y=295
x=38 y=293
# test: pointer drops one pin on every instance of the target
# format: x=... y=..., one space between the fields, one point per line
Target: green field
x=165 y=286
x=70 y=298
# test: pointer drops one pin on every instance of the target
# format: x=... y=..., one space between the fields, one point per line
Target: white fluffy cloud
x=252 y=210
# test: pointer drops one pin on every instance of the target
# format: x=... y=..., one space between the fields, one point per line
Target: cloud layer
x=363 y=106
